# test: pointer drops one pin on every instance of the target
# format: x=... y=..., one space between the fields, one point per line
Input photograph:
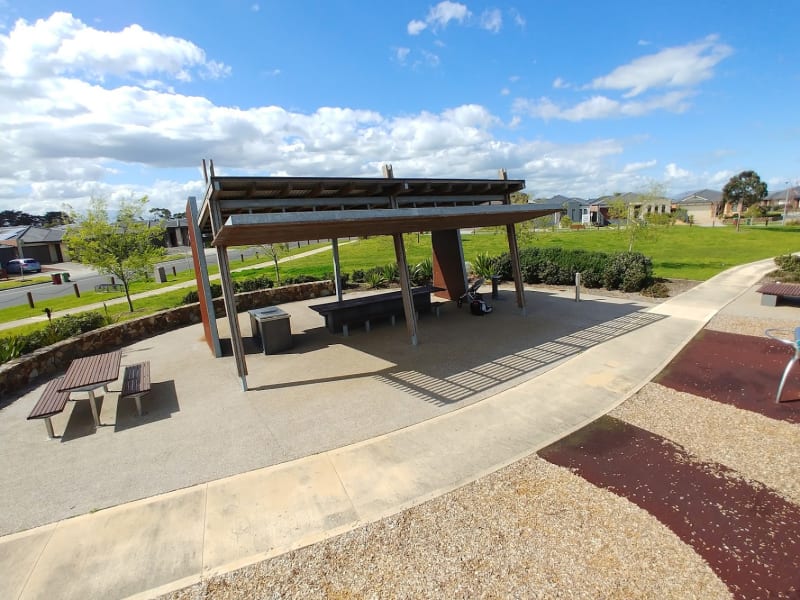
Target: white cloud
x=505 y=91
x=63 y=45
x=492 y=20
x=643 y=43
x=416 y=27
x=639 y=166
x=560 y=84
x=439 y=16
x=401 y=54
x=519 y=20
x=444 y=12
x=601 y=107
x=431 y=59
x=255 y=7
x=680 y=66
x=673 y=171
x=514 y=78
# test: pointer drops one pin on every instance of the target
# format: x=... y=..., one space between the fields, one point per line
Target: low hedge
x=626 y=271
x=58 y=329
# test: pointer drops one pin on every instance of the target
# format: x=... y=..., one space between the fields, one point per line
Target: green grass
x=677 y=253
x=17 y=282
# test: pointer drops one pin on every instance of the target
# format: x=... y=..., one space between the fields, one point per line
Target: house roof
x=30 y=235
x=704 y=195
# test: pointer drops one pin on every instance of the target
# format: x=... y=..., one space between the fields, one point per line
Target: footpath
x=169 y=288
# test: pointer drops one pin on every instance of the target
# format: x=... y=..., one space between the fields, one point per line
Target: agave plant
x=422 y=272
x=485 y=266
x=375 y=279
x=391 y=272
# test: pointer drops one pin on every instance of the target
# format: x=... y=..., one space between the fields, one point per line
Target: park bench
x=341 y=316
x=136 y=383
x=109 y=287
x=51 y=403
x=772 y=292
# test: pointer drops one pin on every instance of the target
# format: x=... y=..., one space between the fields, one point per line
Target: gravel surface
x=536 y=530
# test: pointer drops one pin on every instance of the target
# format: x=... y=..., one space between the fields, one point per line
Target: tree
x=126 y=248
x=161 y=213
x=520 y=198
x=743 y=190
x=274 y=251
x=618 y=211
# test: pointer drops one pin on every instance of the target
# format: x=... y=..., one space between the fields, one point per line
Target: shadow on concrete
x=160 y=403
x=81 y=423
x=492 y=350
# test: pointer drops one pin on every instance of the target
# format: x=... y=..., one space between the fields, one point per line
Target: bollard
x=577 y=287
x=77 y=291
x=30 y=300
x=112 y=281
x=174 y=272
x=242 y=257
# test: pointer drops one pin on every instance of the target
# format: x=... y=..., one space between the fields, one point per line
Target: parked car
x=23 y=265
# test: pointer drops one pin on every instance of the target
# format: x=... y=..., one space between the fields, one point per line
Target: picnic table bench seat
x=51 y=403
x=772 y=292
x=136 y=383
x=340 y=316
x=109 y=287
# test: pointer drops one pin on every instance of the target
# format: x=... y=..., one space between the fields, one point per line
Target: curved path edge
x=152 y=546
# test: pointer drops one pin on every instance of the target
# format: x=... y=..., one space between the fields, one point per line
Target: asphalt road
x=86 y=278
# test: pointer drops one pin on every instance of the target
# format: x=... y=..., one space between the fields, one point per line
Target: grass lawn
x=17 y=282
x=677 y=253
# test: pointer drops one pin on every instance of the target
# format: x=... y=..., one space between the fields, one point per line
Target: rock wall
x=32 y=369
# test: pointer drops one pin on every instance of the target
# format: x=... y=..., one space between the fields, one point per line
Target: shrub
x=630 y=271
x=656 y=290
x=57 y=330
x=253 y=284
x=422 y=273
x=375 y=279
x=391 y=272
x=301 y=279
x=485 y=266
x=359 y=276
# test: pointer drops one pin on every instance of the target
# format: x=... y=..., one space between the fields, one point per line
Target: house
x=640 y=206
x=701 y=206
x=45 y=244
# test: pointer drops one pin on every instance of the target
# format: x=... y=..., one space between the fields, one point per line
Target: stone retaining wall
x=28 y=370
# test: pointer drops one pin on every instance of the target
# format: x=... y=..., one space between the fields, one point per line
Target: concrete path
x=151 y=546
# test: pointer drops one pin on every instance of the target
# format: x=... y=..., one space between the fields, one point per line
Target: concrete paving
x=334 y=433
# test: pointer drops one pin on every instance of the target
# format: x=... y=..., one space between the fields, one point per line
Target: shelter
x=261 y=210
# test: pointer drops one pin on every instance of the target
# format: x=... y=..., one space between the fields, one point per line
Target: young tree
x=618 y=211
x=274 y=251
x=126 y=247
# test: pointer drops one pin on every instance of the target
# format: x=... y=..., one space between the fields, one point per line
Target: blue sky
x=578 y=98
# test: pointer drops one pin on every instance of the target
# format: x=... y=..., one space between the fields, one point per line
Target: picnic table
x=89 y=373
x=339 y=316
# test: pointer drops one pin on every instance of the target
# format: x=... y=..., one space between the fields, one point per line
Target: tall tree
x=161 y=213
x=126 y=247
x=746 y=189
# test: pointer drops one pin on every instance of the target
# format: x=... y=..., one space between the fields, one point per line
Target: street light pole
x=786 y=204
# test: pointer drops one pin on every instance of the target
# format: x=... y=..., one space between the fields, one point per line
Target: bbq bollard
x=577 y=287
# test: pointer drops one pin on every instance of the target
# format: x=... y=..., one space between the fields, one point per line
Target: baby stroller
x=475 y=299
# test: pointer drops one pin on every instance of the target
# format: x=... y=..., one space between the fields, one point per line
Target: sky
x=119 y=100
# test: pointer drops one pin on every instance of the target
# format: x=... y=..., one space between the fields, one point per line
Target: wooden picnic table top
x=780 y=289
x=371 y=299
x=91 y=372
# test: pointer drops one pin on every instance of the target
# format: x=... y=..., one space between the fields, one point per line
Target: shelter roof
x=282 y=209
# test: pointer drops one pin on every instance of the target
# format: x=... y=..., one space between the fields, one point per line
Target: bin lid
x=267 y=313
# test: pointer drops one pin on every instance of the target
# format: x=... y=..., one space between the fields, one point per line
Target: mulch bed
x=748 y=534
x=741 y=370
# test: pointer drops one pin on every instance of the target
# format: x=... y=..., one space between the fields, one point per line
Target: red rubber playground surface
x=747 y=533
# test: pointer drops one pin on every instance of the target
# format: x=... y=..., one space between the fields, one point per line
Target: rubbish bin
x=65 y=277
x=55 y=278
x=271 y=326
x=495 y=283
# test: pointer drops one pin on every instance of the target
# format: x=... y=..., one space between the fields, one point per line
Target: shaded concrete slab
x=121 y=551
